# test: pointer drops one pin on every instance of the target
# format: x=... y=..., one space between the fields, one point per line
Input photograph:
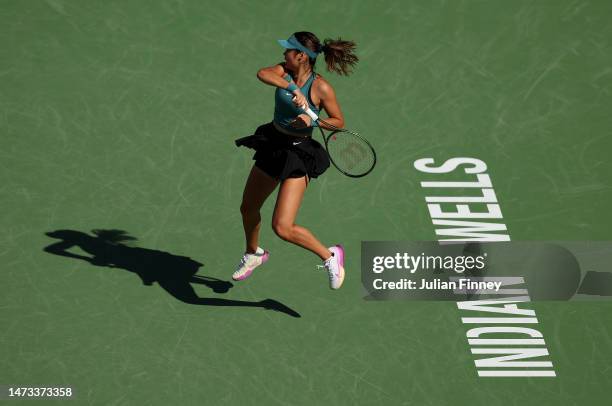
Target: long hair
x=339 y=54
x=114 y=237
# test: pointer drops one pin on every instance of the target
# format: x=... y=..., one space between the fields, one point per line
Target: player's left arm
x=329 y=103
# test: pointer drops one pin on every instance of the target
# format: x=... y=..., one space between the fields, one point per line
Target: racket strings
x=350 y=153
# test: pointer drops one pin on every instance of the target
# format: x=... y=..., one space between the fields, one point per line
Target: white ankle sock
x=259 y=251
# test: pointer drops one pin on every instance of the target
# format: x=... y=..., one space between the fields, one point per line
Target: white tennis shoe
x=248 y=263
x=335 y=267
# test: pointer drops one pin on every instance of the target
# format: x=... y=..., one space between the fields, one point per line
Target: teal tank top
x=284 y=109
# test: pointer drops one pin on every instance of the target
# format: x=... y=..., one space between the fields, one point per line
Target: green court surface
x=121 y=115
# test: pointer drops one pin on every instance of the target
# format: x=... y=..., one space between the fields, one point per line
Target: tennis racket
x=350 y=153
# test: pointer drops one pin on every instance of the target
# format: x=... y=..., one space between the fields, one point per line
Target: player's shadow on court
x=175 y=274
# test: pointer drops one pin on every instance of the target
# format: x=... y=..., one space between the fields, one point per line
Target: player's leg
x=288 y=202
x=258 y=187
x=290 y=195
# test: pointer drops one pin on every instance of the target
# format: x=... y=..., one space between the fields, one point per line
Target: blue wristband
x=292 y=87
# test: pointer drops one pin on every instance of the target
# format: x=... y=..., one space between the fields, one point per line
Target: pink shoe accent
x=340 y=252
x=246 y=275
x=335 y=267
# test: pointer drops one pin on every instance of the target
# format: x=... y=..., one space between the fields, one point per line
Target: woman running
x=287 y=155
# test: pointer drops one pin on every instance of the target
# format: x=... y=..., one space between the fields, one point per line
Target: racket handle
x=308 y=111
x=311 y=113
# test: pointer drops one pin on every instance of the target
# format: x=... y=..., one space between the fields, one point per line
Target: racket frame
x=313 y=116
x=331 y=158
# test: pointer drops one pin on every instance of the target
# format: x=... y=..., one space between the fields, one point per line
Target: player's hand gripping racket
x=350 y=153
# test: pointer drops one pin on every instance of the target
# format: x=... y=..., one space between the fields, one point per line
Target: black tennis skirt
x=284 y=156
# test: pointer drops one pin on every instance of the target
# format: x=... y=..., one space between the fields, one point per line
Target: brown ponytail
x=339 y=54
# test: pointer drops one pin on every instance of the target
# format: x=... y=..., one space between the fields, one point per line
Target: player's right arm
x=275 y=76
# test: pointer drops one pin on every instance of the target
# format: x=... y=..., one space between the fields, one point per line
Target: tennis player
x=286 y=153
